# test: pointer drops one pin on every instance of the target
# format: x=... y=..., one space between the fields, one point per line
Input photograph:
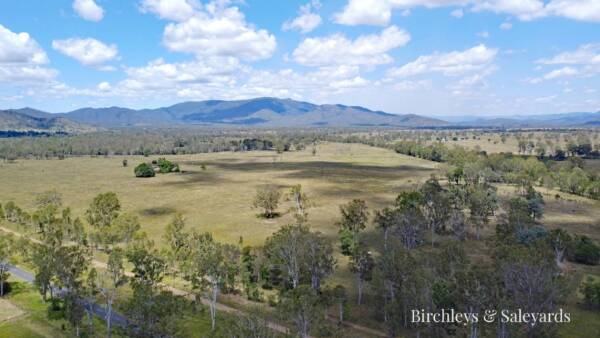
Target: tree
x=410 y=221
x=362 y=264
x=103 y=210
x=530 y=282
x=267 y=198
x=482 y=202
x=302 y=306
x=435 y=205
x=6 y=253
x=560 y=241
x=301 y=203
x=354 y=219
x=340 y=297
x=210 y=267
x=51 y=197
x=144 y=170
x=585 y=251
x=114 y=278
x=535 y=203
x=286 y=248
x=124 y=227
x=252 y=323
x=318 y=258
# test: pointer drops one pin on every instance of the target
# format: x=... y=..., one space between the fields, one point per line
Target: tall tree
x=362 y=264
x=302 y=306
x=210 y=267
x=318 y=258
x=6 y=253
x=114 y=277
x=354 y=219
x=286 y=248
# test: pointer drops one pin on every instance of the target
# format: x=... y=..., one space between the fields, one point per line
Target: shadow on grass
x=157 y=211
x=274 y=215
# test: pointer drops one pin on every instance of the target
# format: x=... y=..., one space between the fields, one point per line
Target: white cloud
x=379 y=12
x=457 y=13
x=219 y=31
x=176 y=10
x=506 y=25
x=307 y=21
x=555 y=74
x=582 y=10
x=586 y=58
x=587 y=54
x=89 y=52
x=453 y=63
x=523 y=9
x=20 y=48
x=88 y=10
x=366 y=50
x=104 y=86
x=22 y=58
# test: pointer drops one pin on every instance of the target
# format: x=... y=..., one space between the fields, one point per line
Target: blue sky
x=430 y=57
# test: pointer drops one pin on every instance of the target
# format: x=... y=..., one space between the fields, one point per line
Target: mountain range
x=263 y=112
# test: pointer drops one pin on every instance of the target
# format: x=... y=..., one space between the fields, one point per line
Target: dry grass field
x=219 y=198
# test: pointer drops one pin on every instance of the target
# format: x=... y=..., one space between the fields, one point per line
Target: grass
x=31 y=321
x=219 y=198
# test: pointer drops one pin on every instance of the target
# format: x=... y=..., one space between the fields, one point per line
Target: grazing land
x=218 y=198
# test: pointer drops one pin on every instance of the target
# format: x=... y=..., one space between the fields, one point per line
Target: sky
x=428 y=57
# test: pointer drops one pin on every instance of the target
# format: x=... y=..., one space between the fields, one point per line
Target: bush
x=144 y=170
x=585 y=251
x=167 y=166
x=591 y=293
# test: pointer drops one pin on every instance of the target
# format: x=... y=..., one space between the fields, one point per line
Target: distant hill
x=273 y=112
x=575 y=119
x=21 y=120
x=269 y=112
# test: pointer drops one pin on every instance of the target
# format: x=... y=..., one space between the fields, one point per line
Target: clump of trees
x=162 y=165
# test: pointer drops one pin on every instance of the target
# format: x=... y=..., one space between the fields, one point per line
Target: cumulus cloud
x=20 y=48
x=454 y=63
x=307 y=21
x=365 y=50
x=88 y=10
x=215 y=30
x=89 y=52
x=379 y=12
x=176 y=10
x=22 y=58
x=505 y=26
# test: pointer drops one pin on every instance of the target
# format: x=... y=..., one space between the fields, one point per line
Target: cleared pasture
x=215 y=191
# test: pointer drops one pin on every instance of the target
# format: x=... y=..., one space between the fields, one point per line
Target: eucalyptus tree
x=210 y=267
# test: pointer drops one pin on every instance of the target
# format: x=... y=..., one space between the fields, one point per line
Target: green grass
x=33 y=322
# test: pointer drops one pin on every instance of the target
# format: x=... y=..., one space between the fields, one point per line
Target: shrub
x=167 y=166
x=591 y=293
x=144 y=170
x=585 y=251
